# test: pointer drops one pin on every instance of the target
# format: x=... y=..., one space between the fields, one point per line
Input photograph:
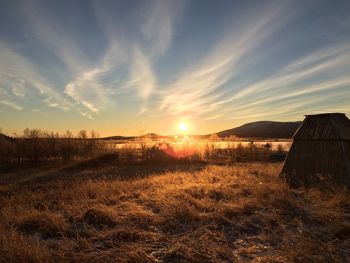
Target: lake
x=285 y=144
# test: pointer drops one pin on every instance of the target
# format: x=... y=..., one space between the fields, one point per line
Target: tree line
x=35 y=146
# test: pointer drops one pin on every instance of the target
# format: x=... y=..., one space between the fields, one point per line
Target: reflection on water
x=177 y=144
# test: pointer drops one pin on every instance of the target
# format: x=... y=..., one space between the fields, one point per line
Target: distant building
x=320 y=151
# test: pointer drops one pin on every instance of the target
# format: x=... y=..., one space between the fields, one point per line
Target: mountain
x=263 y=129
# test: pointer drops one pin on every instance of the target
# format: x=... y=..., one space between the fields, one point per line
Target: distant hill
x=259 y=129
x=152 y=136
x=263 y=129
x=117 y=137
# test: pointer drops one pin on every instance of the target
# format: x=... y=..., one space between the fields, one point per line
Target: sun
x=183 y=127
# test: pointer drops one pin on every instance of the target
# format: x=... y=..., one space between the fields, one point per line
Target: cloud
x=90 y=86
x=87 y=115
x=19 y=74
x=36 y=110
x=81 y=76
x=83 y=86
x=18 y=89
x=52 y=35
x=11 y=105
x=204 y=89
x=142 y=110
x=318 y=72
x=194 y=89
x=214 y=117
x=318 y=56
x=131 y=45
x=157 y=24
x=86 y=88
x=141 y=72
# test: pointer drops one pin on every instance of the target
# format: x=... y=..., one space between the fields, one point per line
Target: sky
x=135 y=67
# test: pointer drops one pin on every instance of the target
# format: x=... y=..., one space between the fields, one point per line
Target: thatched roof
x=327 y=126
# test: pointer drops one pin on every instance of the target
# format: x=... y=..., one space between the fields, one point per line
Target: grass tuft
x=99 y=218
x=45 y=225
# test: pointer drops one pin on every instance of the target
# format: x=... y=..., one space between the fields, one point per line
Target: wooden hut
x=320 y=151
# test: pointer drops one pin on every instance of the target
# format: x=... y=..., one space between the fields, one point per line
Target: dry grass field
x=184 y=213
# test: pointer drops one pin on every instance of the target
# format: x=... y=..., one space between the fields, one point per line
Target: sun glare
x=183 y=127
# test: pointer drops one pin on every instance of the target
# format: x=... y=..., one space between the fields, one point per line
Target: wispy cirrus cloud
x=11 y=104
x=82 y=90
x=193 y=90
x=19 y=77
x=156 y=23
x=86 y=89
x=309 y=78
x=158 y=20
x=53 y=36
x=142 y=74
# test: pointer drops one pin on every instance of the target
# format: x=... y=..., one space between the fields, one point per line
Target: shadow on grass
x=105 y=166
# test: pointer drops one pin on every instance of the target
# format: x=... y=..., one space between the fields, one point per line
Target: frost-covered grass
x=238 y=213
